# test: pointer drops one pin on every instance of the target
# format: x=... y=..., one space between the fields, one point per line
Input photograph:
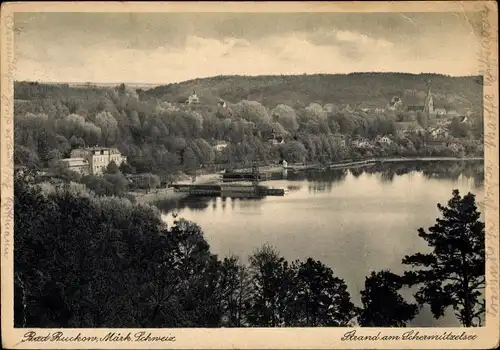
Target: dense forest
x=161 y=136
x=82 y=260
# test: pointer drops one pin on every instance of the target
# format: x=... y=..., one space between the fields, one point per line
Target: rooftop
x=75 y=161
x=97 y=148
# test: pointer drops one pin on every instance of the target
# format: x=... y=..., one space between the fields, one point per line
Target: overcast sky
x=163 y=48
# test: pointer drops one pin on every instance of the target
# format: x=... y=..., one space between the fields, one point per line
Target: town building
x=348 y=109
x=77 y=164
x=328 y=108
x=220 y=146
x=438 y=132
x=384 y=140
x=276 y=140
x=443 y=122
x=92 y=160
x=361 y=143
x=408 y=128
x=193 y=98
x=395 y=104
x=340 y=139
x=465 y=120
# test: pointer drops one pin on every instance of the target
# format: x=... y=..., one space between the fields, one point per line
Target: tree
x=383 y=306
x=25 y=156
x=189 y=159
x=148 y=181
x=53 y=156
x=453 y=274
x=108 y=125
x=321 y=299
x=235 y=291
x=286 y=116
x=457 y=128
x=126 y=168
x=294 y=152
x=112 y=168
x=421 y=119
x=270 y=276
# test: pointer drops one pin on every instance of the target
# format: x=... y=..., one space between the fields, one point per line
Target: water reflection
x=293 y=188
x=326 y=180
x=356 y=172
x=319 y=180
x=204 y=202
x=444 y=170
x=193 y=203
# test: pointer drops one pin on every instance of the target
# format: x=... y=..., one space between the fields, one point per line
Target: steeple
x=429 y=100
x=428 y=105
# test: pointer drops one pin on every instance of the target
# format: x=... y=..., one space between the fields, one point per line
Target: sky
x=161 y=48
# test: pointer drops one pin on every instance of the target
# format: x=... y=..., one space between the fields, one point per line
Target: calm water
x=355 y=221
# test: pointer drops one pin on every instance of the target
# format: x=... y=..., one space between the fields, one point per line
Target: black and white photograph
x=249 y=169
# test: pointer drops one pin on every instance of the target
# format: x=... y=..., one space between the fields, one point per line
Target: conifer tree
x=383 y=306
x=453 y=273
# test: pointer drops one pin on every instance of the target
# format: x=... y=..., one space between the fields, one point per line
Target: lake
x=353 y=220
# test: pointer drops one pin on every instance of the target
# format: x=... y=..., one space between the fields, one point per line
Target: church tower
x=428 y=106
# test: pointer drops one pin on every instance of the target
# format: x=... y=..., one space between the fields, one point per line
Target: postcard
x=249 y=175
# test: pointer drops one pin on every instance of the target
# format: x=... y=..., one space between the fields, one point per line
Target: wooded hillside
x=370 y=89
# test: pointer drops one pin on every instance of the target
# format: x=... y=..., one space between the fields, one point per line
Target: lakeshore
x=214 y=178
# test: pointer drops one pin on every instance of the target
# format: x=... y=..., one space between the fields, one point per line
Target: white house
x=443 y=122
x=95 y=159
x=220 y=146
x=438 y=132
x=465 y=120
x=395 y=103
x=384 y=140
x=276 y=141
x=328 y=107
x=193 y=98
x=361 y=143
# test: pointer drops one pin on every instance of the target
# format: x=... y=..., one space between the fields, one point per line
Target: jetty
x=228 y=190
